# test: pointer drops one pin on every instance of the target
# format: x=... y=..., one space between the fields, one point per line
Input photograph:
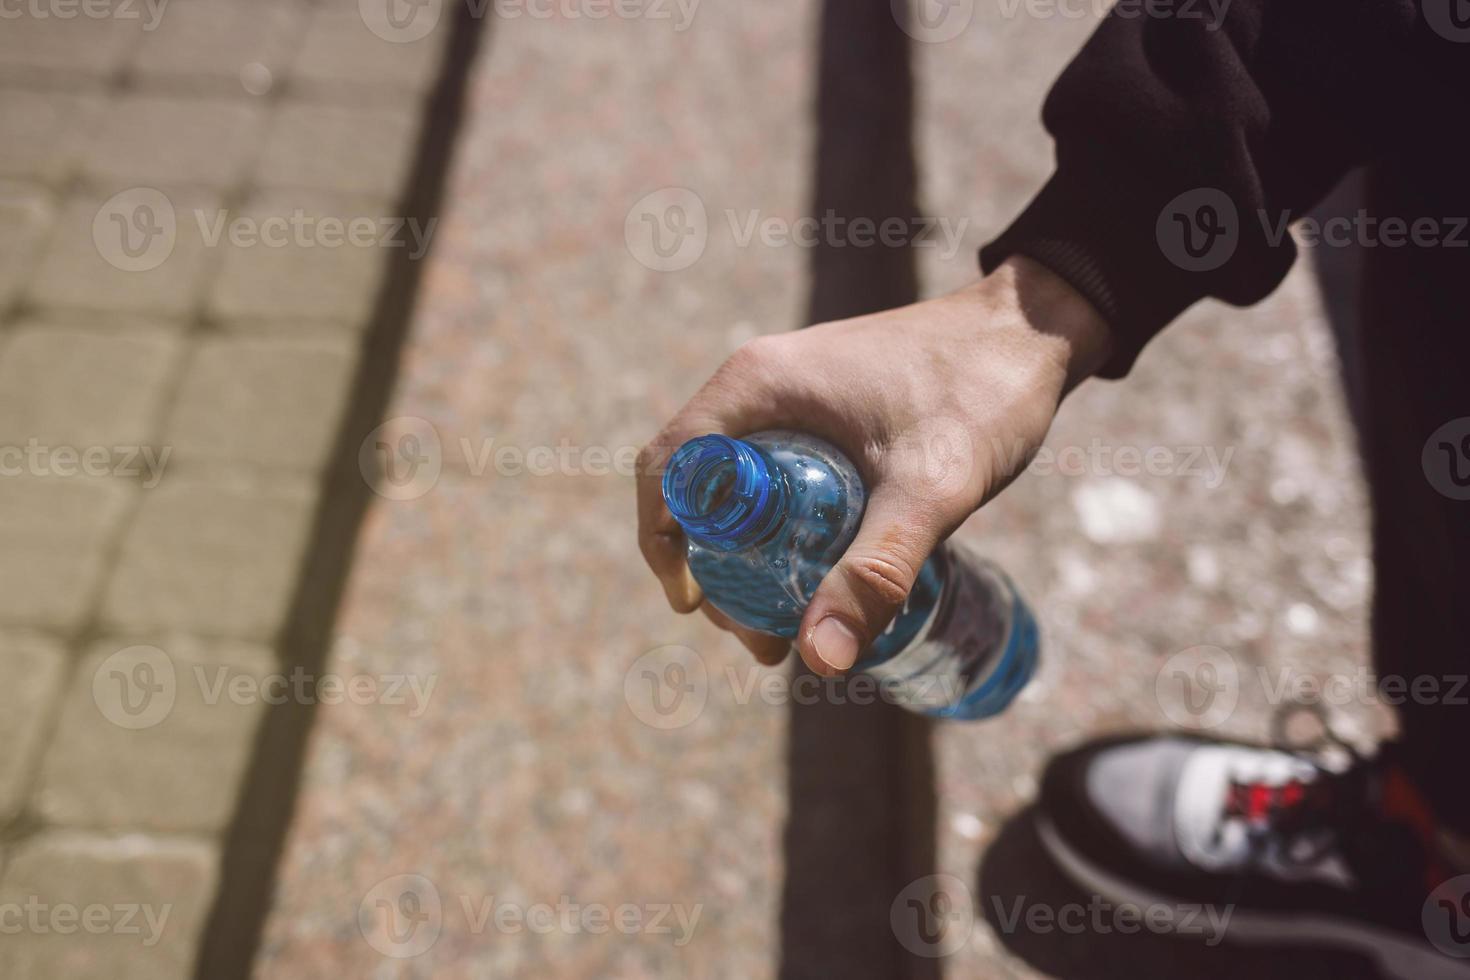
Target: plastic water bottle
x=767 y=516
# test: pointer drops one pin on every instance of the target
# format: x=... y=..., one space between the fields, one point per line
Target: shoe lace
x=1298 y=821
x=1363 y=808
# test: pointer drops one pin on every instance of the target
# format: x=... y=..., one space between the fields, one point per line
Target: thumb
x=868 y=586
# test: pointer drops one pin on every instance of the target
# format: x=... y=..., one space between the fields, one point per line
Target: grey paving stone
x=268 y=401
x=140 y=251
x=341 y=57
x=302 y=279
x=55 y=531
x=105 y=907
x=48 y=587
x=211 y=559
x=40 y=47
x=155 y=736
x=70 y=388
x=74 y=512
x=45 y=131
x=25 y=216
x=346 y=149
x=220 y=46
x=184 y=140
x=34 y=667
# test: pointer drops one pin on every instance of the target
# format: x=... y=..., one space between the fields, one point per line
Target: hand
x=939 y=405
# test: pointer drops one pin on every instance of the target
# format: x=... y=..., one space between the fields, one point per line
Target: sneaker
x=1277 y=846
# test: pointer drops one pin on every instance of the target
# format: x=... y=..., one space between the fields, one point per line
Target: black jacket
x=1184 y=146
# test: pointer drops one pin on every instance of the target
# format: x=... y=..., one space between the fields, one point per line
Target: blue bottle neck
x=725 y=493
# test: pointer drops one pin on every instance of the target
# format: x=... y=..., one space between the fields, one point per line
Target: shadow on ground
x=860 y=777
x=1016 y=874
x=262 y=819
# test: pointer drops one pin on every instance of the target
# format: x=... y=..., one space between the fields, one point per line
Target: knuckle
x=650 y=459
x=755 y=355
x=883 y=580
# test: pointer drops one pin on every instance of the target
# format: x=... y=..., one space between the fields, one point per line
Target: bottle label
x=961 y=642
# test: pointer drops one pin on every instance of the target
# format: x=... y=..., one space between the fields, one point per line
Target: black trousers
x=1402 y=313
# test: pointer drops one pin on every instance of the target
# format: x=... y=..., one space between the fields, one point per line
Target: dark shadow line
x=860 y=776
x=256 y=837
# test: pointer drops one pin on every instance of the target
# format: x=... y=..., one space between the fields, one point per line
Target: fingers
x=769 y=650
x=661 y=540
x=659 y=536
x=735 y=402
x=867 y=587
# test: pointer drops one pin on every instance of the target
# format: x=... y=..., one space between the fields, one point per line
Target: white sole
x=1399 y=956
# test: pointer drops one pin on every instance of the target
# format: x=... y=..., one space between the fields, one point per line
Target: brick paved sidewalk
x=198 y=200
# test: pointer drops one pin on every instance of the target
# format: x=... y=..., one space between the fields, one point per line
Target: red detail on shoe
x=1402 y=803
x=1259 y=803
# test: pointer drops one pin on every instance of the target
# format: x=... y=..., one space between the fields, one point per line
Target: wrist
x=1043 y=302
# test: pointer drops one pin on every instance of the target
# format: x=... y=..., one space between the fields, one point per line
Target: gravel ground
x=534 y=774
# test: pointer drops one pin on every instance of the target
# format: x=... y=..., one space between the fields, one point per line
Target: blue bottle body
x=768 y=516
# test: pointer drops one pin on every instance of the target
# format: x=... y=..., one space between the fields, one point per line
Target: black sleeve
x=1185 y=143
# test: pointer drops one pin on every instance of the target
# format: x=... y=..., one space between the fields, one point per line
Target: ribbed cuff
x=1104 y=245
